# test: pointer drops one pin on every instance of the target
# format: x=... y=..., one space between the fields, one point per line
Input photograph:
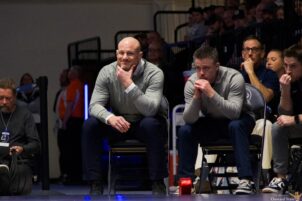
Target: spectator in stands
x=274 y=62
x=255 y=72
x=28 y=95
x=233 y=4
x=289 y=123
x=228 y=22
x=154 y=36
x=269 y=13
x=215 y=26
x=239 y=19
x=143 y=40
x=223 y=115
x=19 y=139
x=197 y=30
x=280 y=13
x=259 y=12
x=208 y=12
x=266 y=81
x=132 y=89
x=72 y=123
x=59 y=108
x=219 y=11
x=156 y=54
x=250 y=13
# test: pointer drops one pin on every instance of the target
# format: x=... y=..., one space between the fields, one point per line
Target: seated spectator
x=280 y=13
x=19 y=141
x=126 y=104
x=255 y=72
x=28 y=95
x=274 y=62
x=212 y=113
x=288 y=124
x=239 y=19
x=266 y=81
x=197 y=29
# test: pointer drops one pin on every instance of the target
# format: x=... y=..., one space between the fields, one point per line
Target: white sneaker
x=245 y=187
x=277 y=185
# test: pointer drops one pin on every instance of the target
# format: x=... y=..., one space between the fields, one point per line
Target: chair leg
x=109 y=172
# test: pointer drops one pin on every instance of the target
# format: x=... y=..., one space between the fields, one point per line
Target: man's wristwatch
x=297 y=120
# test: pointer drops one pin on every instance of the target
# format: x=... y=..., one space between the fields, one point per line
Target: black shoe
x=96 y=188
x=158 y=188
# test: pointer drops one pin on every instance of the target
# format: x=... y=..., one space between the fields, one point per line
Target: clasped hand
x=203 y=86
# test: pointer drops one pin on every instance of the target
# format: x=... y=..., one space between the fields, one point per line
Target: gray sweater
x=228 y=102
x=143 y=100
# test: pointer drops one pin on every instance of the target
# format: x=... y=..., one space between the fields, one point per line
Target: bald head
x=128 y=53
x=131 y=42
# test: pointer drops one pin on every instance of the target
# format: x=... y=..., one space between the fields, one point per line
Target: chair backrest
x=255 y=100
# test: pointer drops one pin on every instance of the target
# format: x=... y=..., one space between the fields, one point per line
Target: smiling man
x=132 y=88
x=215 y=108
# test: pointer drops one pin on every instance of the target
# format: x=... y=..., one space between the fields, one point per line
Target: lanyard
x=6 y=124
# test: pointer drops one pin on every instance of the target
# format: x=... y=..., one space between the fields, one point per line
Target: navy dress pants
x=150 y=130
x=207 y=130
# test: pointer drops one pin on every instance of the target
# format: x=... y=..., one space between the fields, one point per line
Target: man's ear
x=217 y=64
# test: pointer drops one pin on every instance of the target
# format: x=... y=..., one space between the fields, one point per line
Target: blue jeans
x=150 y=130
x=207 y=130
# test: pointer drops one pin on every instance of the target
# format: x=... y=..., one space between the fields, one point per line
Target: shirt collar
x=139 y=68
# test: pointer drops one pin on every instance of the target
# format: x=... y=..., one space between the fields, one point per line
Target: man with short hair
x=19 y=137
x=215 y=109
x=132 y=88
x=289 y=123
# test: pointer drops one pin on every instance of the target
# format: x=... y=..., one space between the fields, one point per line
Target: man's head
x=7 y=95
x=205 y=61
x=155 y=53
x=74 y=73
x=293 y=62
x=252 y=48
x=128 y=53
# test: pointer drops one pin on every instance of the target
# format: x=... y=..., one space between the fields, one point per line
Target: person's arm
x=286 y=105
x=267 y=93
x=148 y=102
x=100 y=97
x=193 y=102
x=32 y=145
x=231 y=106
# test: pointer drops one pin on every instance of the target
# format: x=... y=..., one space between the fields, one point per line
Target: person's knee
x=276 y=131
x=184 y=133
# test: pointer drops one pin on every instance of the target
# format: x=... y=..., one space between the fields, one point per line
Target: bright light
x=86 y=101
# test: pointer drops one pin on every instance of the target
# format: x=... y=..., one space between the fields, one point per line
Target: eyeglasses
x=253 y=49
